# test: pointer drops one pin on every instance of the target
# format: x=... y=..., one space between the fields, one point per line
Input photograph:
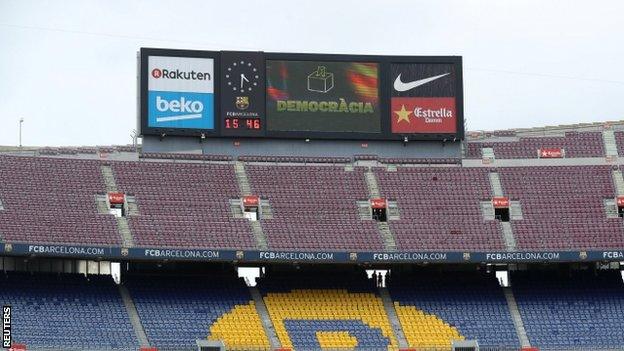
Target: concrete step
x=109 y=178
x=393 y=317
x=263 y=312
x=235 y=208
x=241 y=177
x=261 y=241
x=487 y=209
x=515 y=211
x=371 y=182
x=508 y=236
x=101 y=206
x=384 y=228
x=124 y=230
x=611 y=208
x=122 y=223
x=618 y=181
x=134 y=316
x=266 y=210
x=610 y=144
x=516 y=317
x=393 y=211
x=388 y=237
x=364 y=210
x=487 y=153
x=133 y=208
x=495 y=184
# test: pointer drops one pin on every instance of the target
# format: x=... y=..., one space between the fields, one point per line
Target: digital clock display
x=242 y=93
x=243 y=123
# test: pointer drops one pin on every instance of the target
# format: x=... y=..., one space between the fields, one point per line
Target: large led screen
x=319 y=96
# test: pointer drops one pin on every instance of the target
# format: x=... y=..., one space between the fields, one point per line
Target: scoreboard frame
x=384 y=93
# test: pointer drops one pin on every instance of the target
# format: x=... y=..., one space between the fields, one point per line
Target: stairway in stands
x=263 y=312
x=516 y=318
x=245 y=189
x=618 y=181
x=134 y=316
x=393 y=317
x=608 y=137
x=384 y=228
x=122 y=223
x=505 y=227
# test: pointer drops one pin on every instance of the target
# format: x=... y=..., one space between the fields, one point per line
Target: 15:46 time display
x=243 y=123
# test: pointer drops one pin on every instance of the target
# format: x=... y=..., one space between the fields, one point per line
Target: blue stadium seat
x=67 y=311
x=473 y=303
x=581 y=310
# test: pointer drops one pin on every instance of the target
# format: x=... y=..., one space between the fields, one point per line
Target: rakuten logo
x=177 y=74
x=191 y=109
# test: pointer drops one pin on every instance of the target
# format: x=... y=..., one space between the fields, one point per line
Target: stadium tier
x=579 y=310
x=574 y=144
x=314 y=207
x=177 y=310
x=456 y=305
x=189 y=204
x=179 y=223
x=325 y=310
x=183 y=205
x=318 y=310
x=67 y=311
x=440 y=208
x=49 y=200
x=563 y=207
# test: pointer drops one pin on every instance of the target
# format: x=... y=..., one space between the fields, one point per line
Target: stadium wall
x=290 y=147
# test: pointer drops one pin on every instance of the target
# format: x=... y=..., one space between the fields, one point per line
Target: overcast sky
x=70 y=70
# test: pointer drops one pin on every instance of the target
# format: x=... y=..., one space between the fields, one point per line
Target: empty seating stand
x=49 y=200
x=563 y=207
x=576 y=144
x=472 y=304
x=311 y=311
x=314 y=207
x=439 y=208
x=183 y=205
x=180 y=156
x=571 y=311
x=187 y=205
x=176 y=311
x=293 y=159
x=66 y=311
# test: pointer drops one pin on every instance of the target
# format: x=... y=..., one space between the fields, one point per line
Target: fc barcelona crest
x=242 y=102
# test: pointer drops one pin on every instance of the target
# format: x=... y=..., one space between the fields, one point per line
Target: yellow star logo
x=403 y=115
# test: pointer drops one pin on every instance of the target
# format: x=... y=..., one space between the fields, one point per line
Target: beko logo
x=191 y=109
x=177 y=74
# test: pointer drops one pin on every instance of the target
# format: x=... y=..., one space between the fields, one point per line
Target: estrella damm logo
x=330 y=319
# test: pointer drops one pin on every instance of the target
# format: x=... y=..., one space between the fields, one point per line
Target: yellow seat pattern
x=240 y=329
x=424 y=330
x=328 y=304
x=336 y=340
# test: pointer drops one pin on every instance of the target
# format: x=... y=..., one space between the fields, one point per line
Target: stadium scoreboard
x=281 y=95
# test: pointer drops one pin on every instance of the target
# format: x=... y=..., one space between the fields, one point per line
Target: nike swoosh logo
x=400 y=86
